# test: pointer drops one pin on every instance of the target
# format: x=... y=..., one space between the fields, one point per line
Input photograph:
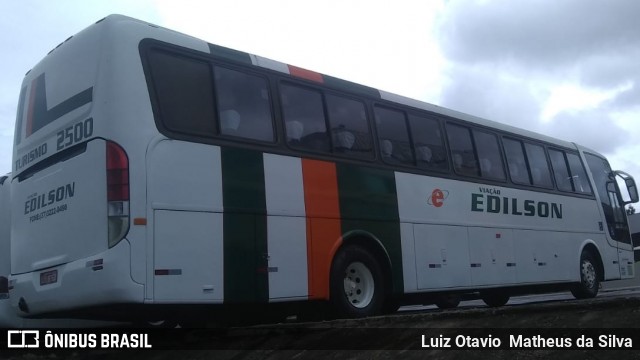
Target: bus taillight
x=117 y=192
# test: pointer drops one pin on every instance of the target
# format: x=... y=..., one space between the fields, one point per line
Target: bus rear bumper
x=95 y=281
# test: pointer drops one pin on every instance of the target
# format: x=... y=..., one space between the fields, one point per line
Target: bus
x=158 y=175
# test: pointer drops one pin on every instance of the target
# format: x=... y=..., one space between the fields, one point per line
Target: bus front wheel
x=356 y=283
x=589 y=281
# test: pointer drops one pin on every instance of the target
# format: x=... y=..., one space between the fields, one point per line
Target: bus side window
x=244 y=106
x=516 y=161
x=183 y=93
x=560 y=170
x=464 y=157
x=304 y=118
x=294 y=129
x=490 y=158
x=540 y=174
x=428 y=143
x=349 y=126
x=394 y=137
x=578 y=174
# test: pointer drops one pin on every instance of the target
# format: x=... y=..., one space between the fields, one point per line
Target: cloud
x=565 y=69
x=629 y=98
x=545 y=34
x=486 y=92
x=594 y=129
x=360 y=41
x=606 y=70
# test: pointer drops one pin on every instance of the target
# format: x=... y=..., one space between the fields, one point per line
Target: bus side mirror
x=632 y=189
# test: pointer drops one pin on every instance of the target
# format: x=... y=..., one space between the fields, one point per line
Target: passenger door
x=614 y=213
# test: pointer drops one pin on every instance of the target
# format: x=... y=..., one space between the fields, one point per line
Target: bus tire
x=589 y=278
x=357 y=286
x=391 y=307
x=156 y=324
x=449 y=301
x=494 y=298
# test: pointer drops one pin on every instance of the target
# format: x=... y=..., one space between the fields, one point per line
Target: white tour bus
x=157 y=175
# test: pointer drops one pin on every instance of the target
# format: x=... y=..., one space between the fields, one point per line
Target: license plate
x=48 y=277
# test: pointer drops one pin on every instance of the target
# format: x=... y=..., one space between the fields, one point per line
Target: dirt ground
x=400 y=336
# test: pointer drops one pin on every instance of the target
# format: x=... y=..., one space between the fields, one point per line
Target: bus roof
x=329 y=81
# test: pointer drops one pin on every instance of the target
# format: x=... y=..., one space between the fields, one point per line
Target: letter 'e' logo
x=437 y=197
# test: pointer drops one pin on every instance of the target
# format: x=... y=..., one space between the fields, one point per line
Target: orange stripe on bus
x=305 y=74
x=323 y=223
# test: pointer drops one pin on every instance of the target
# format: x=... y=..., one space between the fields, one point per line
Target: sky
x=567 y=68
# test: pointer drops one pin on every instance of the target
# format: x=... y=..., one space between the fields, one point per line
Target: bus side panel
x=188 y=256
x=368 y=202
x=245 y=226
x=546 y=255
x=324 y=232
x=286 y=228
x=185 y=196
x=442 y=256
x=514 y=236
x=287 y=258
x=409 y=265
x=492 y=256
x=626 y=263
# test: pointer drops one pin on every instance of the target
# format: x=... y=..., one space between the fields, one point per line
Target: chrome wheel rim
x=358 y=285
x=588 y=274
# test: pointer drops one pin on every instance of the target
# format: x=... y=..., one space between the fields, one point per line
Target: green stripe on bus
x=230 y=54
x=369 y=203
x=245 y=226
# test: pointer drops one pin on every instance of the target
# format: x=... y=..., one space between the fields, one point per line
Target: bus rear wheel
x=494 y=298
x=449 y=301
x=156 y=324
x=356 y=283
x=589 y=280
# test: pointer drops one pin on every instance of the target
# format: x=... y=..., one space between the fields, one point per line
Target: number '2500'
x=75 y=133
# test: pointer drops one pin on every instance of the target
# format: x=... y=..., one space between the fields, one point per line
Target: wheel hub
x=358 y=285
x=588 y=274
